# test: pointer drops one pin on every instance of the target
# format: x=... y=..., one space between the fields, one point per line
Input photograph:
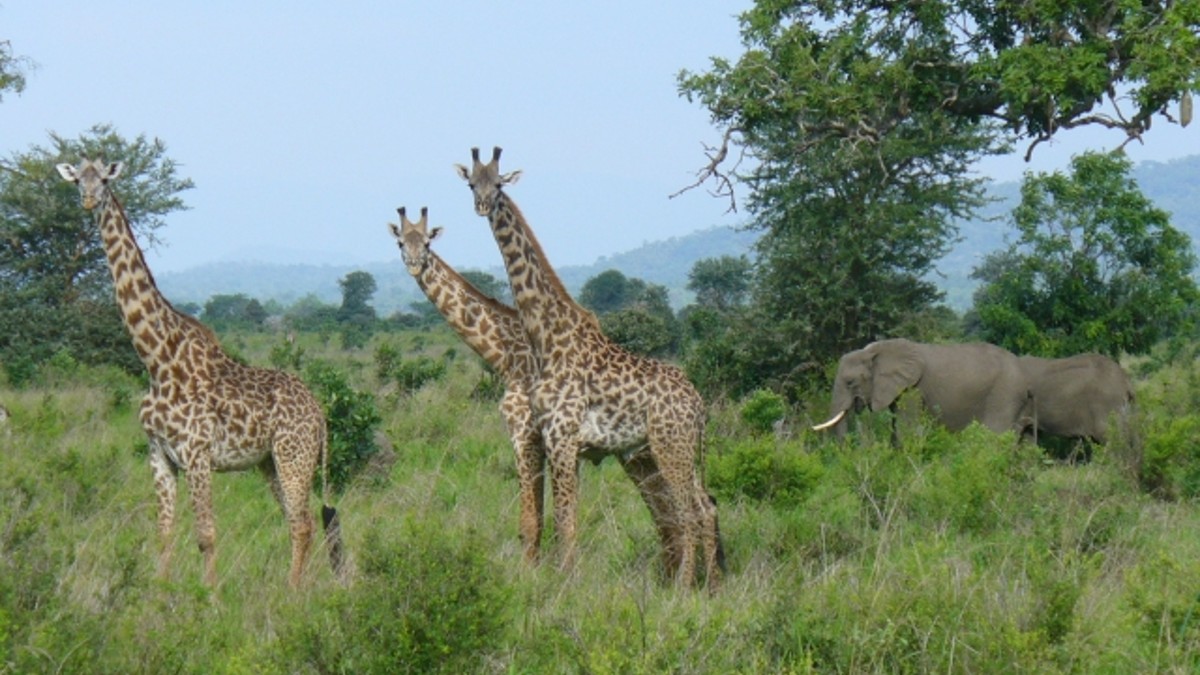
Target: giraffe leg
x=199 y=481
x=531 y=470
x=165 y=480
x=531 y=473
x=642 y=470
x=295 y=476
x=675 y=462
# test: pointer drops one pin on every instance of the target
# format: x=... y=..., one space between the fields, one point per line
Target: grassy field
x=955 y=553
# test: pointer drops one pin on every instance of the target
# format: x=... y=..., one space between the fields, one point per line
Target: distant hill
x=1173 y=186
x=664 y=262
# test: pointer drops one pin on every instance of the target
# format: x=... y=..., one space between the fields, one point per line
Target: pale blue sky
x=304 y=125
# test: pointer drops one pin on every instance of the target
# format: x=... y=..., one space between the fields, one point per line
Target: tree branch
x=713 y=170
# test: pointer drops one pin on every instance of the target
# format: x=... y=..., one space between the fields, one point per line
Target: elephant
x=959 y=384
x=1074 y=397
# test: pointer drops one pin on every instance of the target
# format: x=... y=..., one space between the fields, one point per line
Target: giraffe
x=206 y=412
x=591 y=398
x=493 y=330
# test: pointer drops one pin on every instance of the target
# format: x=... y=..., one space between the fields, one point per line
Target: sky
x=304 y=125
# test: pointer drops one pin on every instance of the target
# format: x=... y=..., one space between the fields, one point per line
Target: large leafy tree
x=55 y=287
x=863 y=120
x=1095 y=267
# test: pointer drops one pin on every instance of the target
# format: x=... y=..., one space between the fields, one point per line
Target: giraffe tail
x=329 y=519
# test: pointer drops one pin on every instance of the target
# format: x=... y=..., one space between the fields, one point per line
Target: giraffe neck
x=488 y=326
x=151 y=320
x=547 y=311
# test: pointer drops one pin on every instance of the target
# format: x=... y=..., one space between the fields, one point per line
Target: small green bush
x=762 y=410
x=351 y=418
x=759 y=470
x=1171 y=458
x=427 y=602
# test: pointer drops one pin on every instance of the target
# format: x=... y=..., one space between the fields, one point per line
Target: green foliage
x=762 y=409
x=56 y=290
x=956 y=552
x=412 y=374
x=1171 y=458
x=287 y=355
x=425 y=603
x=720 y=283
x=865 y=122
x=761 y=470
x=640 y=331
x=227 y=312
x=1096 y=267
x=356 y=319
x=351 y=418
x=12 y=69
x=489 y=285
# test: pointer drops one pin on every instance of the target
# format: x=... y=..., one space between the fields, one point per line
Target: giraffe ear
x=462 y=171
x=67 y=172
x=114 y=170
x=435 y=233
x=510 y=178
x=395 y=230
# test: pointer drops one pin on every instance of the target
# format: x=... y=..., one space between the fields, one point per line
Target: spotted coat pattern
x=493 y=330
x=206 y=412
x=591 y=398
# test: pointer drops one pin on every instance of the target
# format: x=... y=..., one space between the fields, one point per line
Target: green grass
x=955 y=553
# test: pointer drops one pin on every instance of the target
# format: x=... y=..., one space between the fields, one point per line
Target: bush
x=1171 y=458
x=759 y=470
x=351 y=418
x=426 y=603
x=762 y=410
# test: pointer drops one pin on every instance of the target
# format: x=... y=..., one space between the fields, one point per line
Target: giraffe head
x=92 y=176
x=485 y=180
x=413 y=240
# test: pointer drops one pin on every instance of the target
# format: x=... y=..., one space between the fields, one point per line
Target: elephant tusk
x=832 y=421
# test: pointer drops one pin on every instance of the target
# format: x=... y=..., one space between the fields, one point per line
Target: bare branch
x=713 y=170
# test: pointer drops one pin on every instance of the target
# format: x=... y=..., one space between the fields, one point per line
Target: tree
x=607 y=292
x=489 y=285
x=634 y=314
x=12 y=70
x=720 y=283
x=55 y=287
x=356 y=317
x=1096 y=267
x=224 y=312
x=864 y=120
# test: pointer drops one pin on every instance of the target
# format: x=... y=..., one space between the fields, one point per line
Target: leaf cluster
x=1096 y=267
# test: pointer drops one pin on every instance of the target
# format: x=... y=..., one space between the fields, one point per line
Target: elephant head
x=872 y=378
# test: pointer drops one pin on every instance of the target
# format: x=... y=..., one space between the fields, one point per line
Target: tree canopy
x=1096 y=267
x=863 y=122
x=55 y=287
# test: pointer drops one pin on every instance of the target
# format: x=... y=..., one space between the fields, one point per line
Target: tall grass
x=955 y=553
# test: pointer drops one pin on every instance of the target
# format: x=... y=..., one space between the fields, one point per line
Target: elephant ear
x=896 y=369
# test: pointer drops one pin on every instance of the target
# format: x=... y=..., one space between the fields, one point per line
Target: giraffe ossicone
x=205 y=412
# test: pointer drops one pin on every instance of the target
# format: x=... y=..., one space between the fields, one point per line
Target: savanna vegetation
x=954 y=553
x=959 y=552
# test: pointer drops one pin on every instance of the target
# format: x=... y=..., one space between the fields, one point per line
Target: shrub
x=759 y=470
x=762 y=410
x=426 y=603
x=1171 y=459
x=351 y=418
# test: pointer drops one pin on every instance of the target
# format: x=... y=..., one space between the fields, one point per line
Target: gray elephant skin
x=1075 y=397
x=959 y=384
